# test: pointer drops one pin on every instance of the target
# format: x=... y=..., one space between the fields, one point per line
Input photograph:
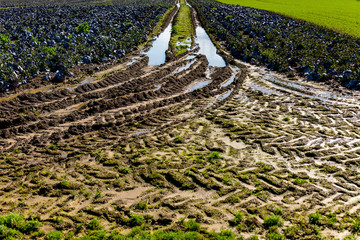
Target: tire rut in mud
x=133 y=93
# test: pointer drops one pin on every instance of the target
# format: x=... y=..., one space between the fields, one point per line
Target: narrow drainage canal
x=207 y=48
x=157 y=52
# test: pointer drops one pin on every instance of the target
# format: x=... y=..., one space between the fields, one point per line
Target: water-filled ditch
x=157 y=52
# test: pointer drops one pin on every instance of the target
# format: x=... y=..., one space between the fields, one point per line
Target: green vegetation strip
x=182 y=30
x=161 y=23
x=15 y=226
x=340 y=15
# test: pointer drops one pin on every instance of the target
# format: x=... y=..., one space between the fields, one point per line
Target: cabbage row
x=45 y=39
x=281 y=43
x=23 y=3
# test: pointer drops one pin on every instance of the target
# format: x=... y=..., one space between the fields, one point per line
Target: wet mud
x=186 y=140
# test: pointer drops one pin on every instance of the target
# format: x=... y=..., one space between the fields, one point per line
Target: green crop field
x=342 y=15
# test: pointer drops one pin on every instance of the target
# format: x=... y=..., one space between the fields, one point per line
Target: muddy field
x=229 y=147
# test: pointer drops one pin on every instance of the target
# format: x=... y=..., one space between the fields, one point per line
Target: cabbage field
x=51 y=39
x=283 y=44
x=341 y=15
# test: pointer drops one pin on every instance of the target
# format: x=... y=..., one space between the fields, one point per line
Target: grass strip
x=161 y=24
x=182 y=30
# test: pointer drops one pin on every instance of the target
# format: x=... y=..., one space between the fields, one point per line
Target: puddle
x=88 y=80
x=133 y=60
x=208 y=72
x=290 y=84
x=186 y=43
x=245 y=100
x=156 y=53
x=234 y=68
x=199 y=85
x=140 y=132
x=221 y=98
x=301 y=94
x=190 y=57
x=185 y=67
x=157 y=87
x=323 y=96
x=332 y=95
x=224 y=96
x=229 y=81
x=274 y=80
x=263 y=89
x=207 y=48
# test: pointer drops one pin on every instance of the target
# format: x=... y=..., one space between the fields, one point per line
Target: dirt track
x=247 y=142
x=135 y=92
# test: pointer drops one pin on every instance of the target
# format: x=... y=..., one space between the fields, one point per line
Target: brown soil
x=255 y=146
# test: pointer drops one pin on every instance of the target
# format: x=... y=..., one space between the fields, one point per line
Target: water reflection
x=207 y=48
x=224 y=96
x=290 y=84
x=190 y=57
x=157 y=88
x=229 y=81
x=263 y=89
x=157 y=52
x=88 y=80
x=133 y=60
x=141 y=132
x=185 y=67
x=199 y=85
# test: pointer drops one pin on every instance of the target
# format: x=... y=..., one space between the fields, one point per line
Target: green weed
x=83 y=28
x=54 y=235
x=314 y=218
x=274 y=220
x=136 y=220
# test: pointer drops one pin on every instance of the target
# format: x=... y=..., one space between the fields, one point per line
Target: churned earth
x=235 y=147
